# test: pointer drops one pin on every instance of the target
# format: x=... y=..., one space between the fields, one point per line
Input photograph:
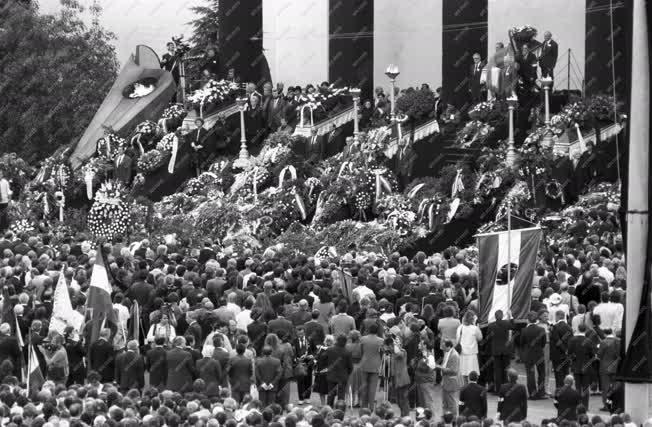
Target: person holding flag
x=98 y=302
x=35 y=379
x=56 y=359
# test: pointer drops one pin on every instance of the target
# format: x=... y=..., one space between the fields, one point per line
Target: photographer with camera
x=56 y=359
x=394 y=373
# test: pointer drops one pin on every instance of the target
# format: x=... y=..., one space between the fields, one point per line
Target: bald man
x=548 y=57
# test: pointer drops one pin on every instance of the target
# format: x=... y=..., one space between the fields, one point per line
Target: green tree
x=56 y=72
x=205 y=27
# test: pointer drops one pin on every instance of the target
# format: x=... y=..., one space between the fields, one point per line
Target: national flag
x=518 y=250
x=35 y=378
x=19 y=334
x=62 y=312
x=99 y=297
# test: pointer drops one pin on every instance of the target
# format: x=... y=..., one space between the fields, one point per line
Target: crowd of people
x=205 y=336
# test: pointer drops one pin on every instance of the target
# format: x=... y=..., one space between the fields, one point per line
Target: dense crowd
x=206 y=336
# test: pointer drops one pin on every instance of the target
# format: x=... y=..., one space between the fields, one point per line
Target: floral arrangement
x=21 y=226
x=392 y=202
x=473 y=133
x=166 y=143
x=61 y=175
x=194 y=186
x=174 y=112
x=523 y=33
x=516 y=197
x=109 y=145
x=401 y=221
x=418 y=105
x=109 y=215
x=146 y=128
x=481 y=110
x=151 y=161
x=213 y=92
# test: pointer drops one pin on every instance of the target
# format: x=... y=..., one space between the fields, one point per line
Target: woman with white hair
x=468 y=337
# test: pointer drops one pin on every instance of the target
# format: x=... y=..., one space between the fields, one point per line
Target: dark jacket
x=473 y=398
x=512 y=404
x=195 y=330
x=268 y=371
x=339 y=363
x=9 y=350
x=223 y=357
x=181 y=370
x=581 y=352
x=240 y=370
x=257 y=331
x=103 y=359
x=549 y=53
x=210 y=371
x=532 y=340
x=157 y=366
x=566 y=401
x=314 y=332
x=560 y=334
x=609 y=355
x=130 y=371
x=498 y=333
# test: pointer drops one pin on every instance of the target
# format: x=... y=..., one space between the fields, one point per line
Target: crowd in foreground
x=205 y=336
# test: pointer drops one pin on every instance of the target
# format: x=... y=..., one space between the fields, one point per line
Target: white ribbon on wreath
x=344 y=167
x=254 y=182
x=415 y=190
x=432 y=207
x=312 y=120
x=88 y=179
x=46 y=205
x=281 y=176
x=173 y=158
x=458 y=184
x=297 y=198
x=381 y=184
x=580 y=138
x=137 y=140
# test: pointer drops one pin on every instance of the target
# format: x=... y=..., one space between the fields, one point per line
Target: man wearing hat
x=555 y=304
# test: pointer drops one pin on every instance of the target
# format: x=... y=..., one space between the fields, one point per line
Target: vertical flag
x=516 y=250
x=35 y=378
x=62 y=312
x=99 y=296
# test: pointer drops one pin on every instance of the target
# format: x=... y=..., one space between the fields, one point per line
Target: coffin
x=119 y=112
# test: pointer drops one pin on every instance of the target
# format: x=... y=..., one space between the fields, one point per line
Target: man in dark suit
x=276 y=109
x=169 y=62
x=124 y=166
x=240 y=370
x=340 y=366
x=194 y=329
x=210 y=370
x=334 y=141
x=130 y=368
x=609 y=356
x=157 y=364
x=473 y=398
x=181 y=367
x=199 y=152
x=257 y=330
x=581 y=353
x=206 y=253
x=512 y=400
x=10 y=350
x=268 y=375
x=222 y=356
x=498 y=334
x=302 y=315
x=303 y=352
x=475 y=87
x=103 y=356
x=560 y=334
x=567 y=399
x=314 y=330
x=533 y=341
x=370 y=344
x=548 y=57
x=527 y=67
x=281 y=326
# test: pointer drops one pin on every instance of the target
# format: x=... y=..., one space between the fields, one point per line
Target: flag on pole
x=99 y=297
x=62 y=312
x=35 y=378
x=19 y=334
x=135 y=322
x=516 y=250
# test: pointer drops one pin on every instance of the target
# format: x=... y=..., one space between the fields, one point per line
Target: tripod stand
x=385 y=375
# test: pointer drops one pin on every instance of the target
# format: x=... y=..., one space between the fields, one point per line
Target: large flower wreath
x=109 y=216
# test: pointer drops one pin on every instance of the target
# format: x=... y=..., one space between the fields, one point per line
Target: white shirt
x=5 y=191
x=468 y=337
x=460 y=269
x=243 y=319
x=605 y=273
x=158 y=330
x=611 y=315
x=362 y=291
x=233 y=308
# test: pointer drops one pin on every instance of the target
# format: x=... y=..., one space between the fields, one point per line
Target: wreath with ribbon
x=554 y=190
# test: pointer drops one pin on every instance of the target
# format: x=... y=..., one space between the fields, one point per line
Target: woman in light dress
x=468 y=337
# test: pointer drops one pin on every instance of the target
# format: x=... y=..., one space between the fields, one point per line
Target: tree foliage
x=205 y=26
x=56 y=72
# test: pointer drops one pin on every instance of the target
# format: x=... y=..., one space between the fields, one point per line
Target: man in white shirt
x=232 y=306
x=5 y=196
x=243 y=319
x=605 y=272
x=611 y=311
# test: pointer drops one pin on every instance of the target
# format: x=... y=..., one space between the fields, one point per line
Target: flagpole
x=29 y=361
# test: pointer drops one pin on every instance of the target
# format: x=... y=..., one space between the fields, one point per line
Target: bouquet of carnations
x=213 y=92
x=21 y=226
x=152 y=160
x=166 y=143
x=109 y=216
x=401 y=221
x=146 y=128
x=175 y=112
x=524 y=33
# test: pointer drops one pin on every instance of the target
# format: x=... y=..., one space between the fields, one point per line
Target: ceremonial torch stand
x=356 y=106
x=546 y=82
x=392 y=72
x=510 y=158
x=242 y=162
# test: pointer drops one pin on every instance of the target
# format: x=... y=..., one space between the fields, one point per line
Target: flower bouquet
x=481 y=111
x=174 y=112
x=61 y=175
x=523 y=33
x=473 y=133
x=109 y=145
x=166 y=143
x=151 y=161
x=109 y=216
x=21 y=226
x=401 y=221
x=213 y=93
x=194 y=186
